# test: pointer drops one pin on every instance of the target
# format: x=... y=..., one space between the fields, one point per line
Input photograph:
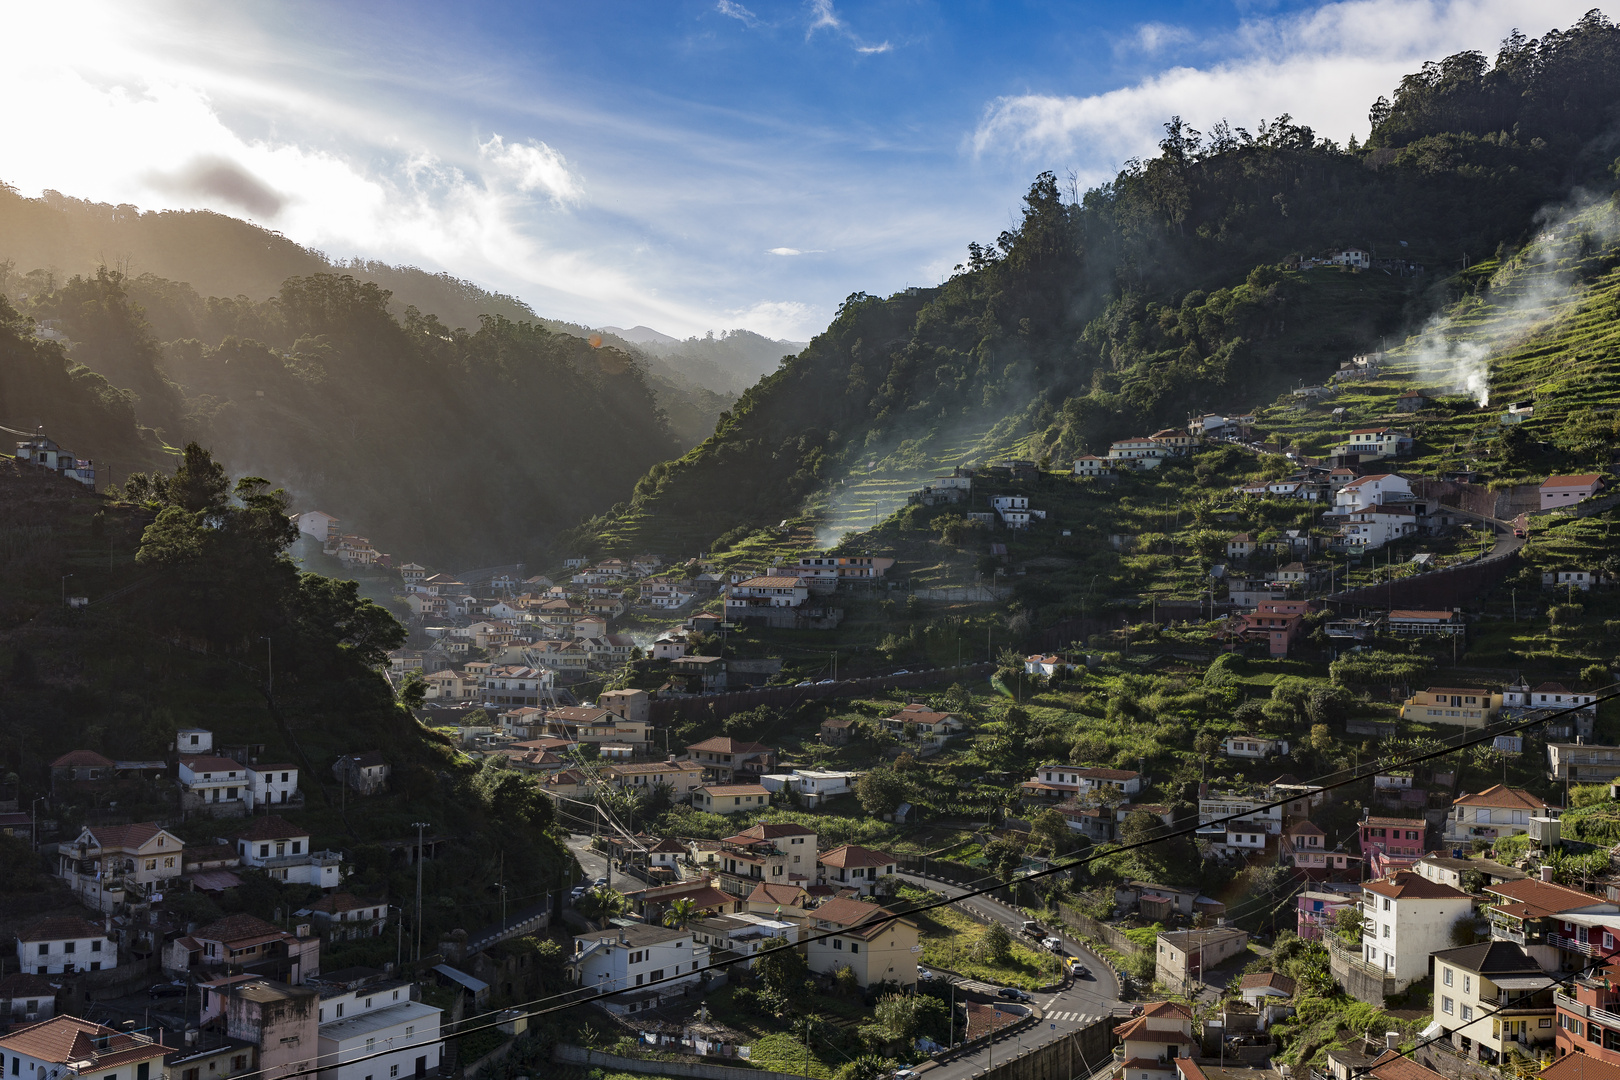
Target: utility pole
x=420 y=825
x=64 y=588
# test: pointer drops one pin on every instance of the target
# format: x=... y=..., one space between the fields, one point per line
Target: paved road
x=1064 y=1012
x=594 y=863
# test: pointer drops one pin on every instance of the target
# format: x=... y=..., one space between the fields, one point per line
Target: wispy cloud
x=783 y=251
x=532 y=167
x=1323 y=66
x=736 y=11
x=1153 y=38
x=824 y=17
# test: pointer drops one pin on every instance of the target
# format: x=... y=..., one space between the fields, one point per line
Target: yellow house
x=730 y=798
x=1465 y=708
x=682 y=777
x=867 y=939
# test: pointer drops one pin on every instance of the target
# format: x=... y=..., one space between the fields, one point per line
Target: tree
x=996 y=942
x=1328 y=705
x=200 y=482
x=866 y=1066
x=1321 y=738
x=1005 y=856
x=1052 y=830
x=1349 y=923
x=413 y=690
x=1596 y=675
x=781 y=965
x=681 y=910
x=1206 y=745
x=881 y=791
x=601 y=904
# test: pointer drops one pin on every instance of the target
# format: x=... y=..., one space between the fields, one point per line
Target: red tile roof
x=271 y=828
x=66 y=928
x=81 y=757
x=233 y=929
x=210 y=763
x=64 y=1039
x=1405 y=885
x=854 y=916
x=1583 y=480
x=1498 y=795
x=127 y=836
x=1581 y=1067
x=851 y=856
x=1537 y=899
x=1391 y=1065
x=1269 y=980
x=723 y=744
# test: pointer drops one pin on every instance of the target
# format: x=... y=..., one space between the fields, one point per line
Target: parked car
x=166 y=990
x=924 y=975
x=1012 y=993
x=1052 y=944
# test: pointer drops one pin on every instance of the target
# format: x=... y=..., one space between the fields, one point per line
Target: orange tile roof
x=66 y=928
x=65 y=1039
x=81 y=757
x=1582 y=480
x=1581 y=1067
x=1405 y=885
x=125 y=836
x=1391 y=1065
x=1499 y=795
x=851 y=856
x=1537 y=899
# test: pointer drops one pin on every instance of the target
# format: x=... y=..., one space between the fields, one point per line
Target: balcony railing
x=1568 y=1004
x=1569 y=944
x=1503 y=933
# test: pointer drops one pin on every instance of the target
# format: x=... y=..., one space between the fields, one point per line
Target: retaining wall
x=1079 y=1054
x=577 y=1055
x=1102 y=932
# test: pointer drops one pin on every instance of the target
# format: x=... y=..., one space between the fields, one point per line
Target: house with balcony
x=378 y=1031
x=1562 y=929
x=1490 y=998
x=1066 y=781
x=875 y=944
x=1459 y=707
x=1153 y=1045
x=63 y=946
x=1454 y=871
x=1587 y=1028
x=68 y=1048
x=1378 y=442
x=1305 y=846
x=1576 y=710
x=1408 y=622
x=1391 y=843
x=1406 y=919
x=682 y=777
x=213 y=784
x=866 y=871
x=283 y=851
x=107 y=865
x=1136 y=453
x=1247 y=812
x=1494 y=813
x=1579 y=763
x=729 y=760
x=273 y=785
x=245 y=943
x=923 y=729
x=664 y=962
x=775 y=854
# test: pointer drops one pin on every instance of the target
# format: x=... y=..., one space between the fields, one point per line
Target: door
x=421 y=1066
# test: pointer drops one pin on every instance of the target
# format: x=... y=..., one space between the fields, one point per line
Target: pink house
x=1559 y=491
x=1391 y=844
x=1316 y=911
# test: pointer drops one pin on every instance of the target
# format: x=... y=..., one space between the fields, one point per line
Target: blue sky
x=690 y=165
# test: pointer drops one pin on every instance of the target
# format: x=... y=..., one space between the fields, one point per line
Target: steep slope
x=1164 y=292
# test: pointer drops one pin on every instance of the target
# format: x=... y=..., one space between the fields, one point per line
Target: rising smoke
x=1453 y=349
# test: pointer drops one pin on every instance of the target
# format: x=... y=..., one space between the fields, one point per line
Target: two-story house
x=774 y=853
x=1152 y=1043
x=1494 y=813
x=729 y=760
x=246 y=943
x=923 y=729
x=65 y=945
x=1317 y=912
x=1406 y=919
x=1378 y=443
x=68 y=1048
x=1182 y=956
x=283 y=851
x=272 y=785
x=855 y=867
x=872 y=942
x=1490 y=997
x=216 y=784
x=1561 y=928
x=1587 y=1028
x=343 y=916
x=107 y=865
x=730 y=798
x=1056 y=781
x=1460 y=707
x=378 y=1031
x=1581 y=763
x=682 y=777
x=1391 y=843
x=663 y=961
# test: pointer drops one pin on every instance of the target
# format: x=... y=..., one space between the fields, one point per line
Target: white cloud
x=1154 y=37
x=824 y=17
x=738 y=12
x=1324 y=67
x=788 y=320
x=783 y=251
x=534 y=166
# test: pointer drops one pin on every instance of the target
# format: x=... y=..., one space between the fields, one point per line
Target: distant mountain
x=640 y=335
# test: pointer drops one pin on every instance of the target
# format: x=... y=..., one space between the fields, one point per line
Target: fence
x=718 y=706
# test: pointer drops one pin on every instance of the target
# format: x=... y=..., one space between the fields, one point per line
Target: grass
x=950 y=941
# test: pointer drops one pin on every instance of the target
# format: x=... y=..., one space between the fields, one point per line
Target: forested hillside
x=1166 y=291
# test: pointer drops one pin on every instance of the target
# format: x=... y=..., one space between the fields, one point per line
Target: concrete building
x=64 y=946
x=278 y=1018
x=378 y=1032
x=1458 y=707
x=1496 y=812
x=1182 y=956
x=869 y=940
x=107 y=865
x=661 y=960
x=1582 y=764
x=66 y=1046
x=1408 y=918
x=1491 y=997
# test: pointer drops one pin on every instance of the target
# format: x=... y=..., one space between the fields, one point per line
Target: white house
x=1355 y=258
x=272 y=785
x=1407 y=918
x=208 y=780
x=856 y=867
x=1092 y=465
x=1014 y=510
x=320 y=525
x=64 y=946
x=194 y=740
x=926 y=729
x=65 y=1047
x=283 y=851
x=1497 y=812
x=1253 y=746
x=1557 y=491
x=377 y=1032
x=108 y=865
x=1137 y=453
x=1061 y=780
x=1371 y=491
x=517 y=685
x=48 y=455
x=1378 y=442
x=1370 y=528
x=663 y=960
x=766 y=591
x=1153 y=1043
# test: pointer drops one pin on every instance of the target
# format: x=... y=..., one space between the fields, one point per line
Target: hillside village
x=612 y=685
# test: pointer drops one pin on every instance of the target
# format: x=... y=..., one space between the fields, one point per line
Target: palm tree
x=600 y=905
x=681 y=910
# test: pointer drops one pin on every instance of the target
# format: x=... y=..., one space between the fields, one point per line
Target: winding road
x=1063 y=1012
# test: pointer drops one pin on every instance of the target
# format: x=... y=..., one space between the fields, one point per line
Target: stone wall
x=575 y=1055
x=1102 y=932
x=1359 y=979
x=1079 y=1054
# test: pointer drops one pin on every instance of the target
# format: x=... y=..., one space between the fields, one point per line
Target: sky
x=689 y=165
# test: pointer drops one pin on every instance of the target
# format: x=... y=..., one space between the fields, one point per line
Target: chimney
x=1392 y=1040
x=1547 y=874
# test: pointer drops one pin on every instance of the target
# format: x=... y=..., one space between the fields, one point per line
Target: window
x=71 y=946
x=168 y=864
x=1468 y=984
x=151 y=864
x=95 y=946
x=639 y=979
x=1467 y=1012
x=339 y=1014
x=393 y=1070
x=1386 y=903
x=1386 y=929
x=410 y=1030
x=1546 y=1022
x=370 y=1044
x=1445 y=976
x=838 y=943
x=1446 y=1005
x=854 y=946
